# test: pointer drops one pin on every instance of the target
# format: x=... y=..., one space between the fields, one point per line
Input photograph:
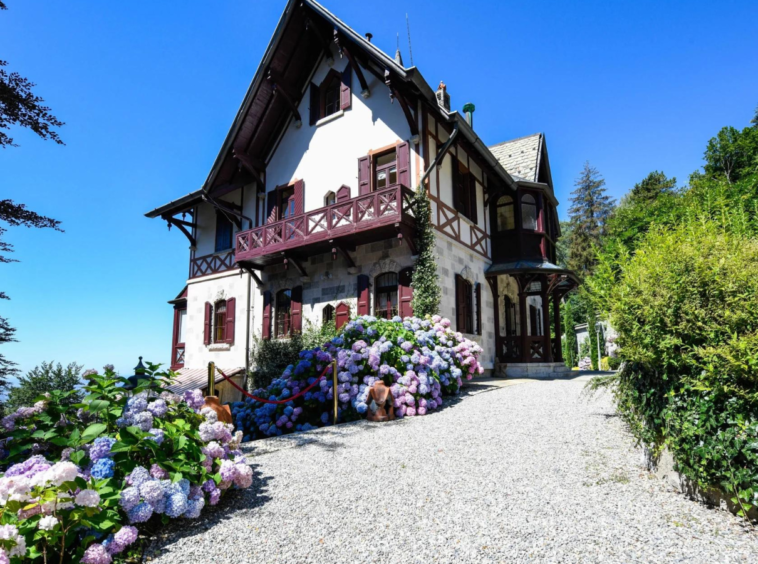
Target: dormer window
x=330 y=199
x=528 y=212
x=506 y=219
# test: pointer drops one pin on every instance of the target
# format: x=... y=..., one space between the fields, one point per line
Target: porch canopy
x=530 y=339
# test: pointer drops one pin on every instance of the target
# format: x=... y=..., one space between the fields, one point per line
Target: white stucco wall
x=326 y=156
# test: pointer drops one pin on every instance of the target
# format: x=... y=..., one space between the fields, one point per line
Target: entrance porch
x=527 y=297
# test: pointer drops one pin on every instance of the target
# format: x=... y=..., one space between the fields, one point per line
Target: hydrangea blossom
x=101 y=448
x=96 y=554
x=87 y=498
x=103 y=469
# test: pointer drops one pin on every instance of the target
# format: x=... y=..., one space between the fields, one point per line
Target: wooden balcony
x=364 y=219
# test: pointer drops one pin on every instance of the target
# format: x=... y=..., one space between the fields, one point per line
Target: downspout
x=441 y=154
x=247 y=332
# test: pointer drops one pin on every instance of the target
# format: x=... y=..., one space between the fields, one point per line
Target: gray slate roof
x=520 y=157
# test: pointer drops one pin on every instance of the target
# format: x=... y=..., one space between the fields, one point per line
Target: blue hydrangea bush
x=79 y=481
x=423 y=360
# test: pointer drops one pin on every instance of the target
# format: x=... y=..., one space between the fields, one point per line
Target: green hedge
x=685 y=306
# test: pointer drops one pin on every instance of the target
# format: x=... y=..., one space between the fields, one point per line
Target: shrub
x=45 y=378
x=686 y=310
x=422 y=360
x=614 y=362
x=79 y=477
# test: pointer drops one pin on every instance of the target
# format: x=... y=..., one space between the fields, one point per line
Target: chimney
x=443 y=98
x=468 y=109
x=369 y=36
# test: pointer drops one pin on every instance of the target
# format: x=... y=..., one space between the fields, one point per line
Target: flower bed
x=79 y=480
x=422 y=360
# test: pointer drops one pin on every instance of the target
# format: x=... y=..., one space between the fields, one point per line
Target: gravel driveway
x=526 y=473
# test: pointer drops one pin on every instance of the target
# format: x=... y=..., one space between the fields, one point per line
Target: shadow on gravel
x=234 y=503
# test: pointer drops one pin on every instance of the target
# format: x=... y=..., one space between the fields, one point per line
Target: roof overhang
x=534 y=267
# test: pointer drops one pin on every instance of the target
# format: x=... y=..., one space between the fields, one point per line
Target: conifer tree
x=590 y=209
x=425 y=280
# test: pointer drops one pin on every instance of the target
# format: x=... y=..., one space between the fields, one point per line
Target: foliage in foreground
x=79 y=477
x=685 y=306
x=421 y=359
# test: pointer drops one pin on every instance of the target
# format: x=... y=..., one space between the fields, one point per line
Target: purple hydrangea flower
x=96 y=554
x=101 y=448
x=176 y=505
x=140 y=513
x=129 y=498
x=158 y=408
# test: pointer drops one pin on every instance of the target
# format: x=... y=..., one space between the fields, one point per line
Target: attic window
x=331 y=96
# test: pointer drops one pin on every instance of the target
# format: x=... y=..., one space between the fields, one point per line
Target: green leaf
x=92 y=432
x=98 y=405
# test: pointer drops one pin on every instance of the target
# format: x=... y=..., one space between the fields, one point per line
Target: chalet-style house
x=306 y=214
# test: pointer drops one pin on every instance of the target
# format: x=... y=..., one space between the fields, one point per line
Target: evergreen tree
x=754 y=121
x=562 y=250
x=732 y=154
x=426 y=289
x=589 y=212
x=46 y=378
x=651 y=187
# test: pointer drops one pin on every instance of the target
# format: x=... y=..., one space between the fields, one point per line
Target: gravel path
x=527 y=473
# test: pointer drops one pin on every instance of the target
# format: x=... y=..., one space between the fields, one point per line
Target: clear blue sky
x=149 y=89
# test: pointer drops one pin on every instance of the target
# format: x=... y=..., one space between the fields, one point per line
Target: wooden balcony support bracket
x=312 y=27
x=251 y=272
x=342 y=251
x=280 y=89
x=247 y=163
x=182 y=226
x=228 y=210
x=299 y=267
x=403 y=235
x=343 y=50
x=410 y=116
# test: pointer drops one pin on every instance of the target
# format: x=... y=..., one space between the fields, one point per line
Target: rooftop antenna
x=408 y=26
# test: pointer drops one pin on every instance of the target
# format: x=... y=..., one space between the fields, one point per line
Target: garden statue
x=223 y=412
x=381 y=403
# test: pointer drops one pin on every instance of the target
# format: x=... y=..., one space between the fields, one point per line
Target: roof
x=197 y=378
x=410 y=75
x=533 y=266
x=520 y=157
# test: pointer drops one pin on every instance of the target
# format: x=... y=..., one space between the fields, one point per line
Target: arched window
x=283 y=327
x=219 y=322
x=506 y=219
x=330 y=199
x=385 y=295
x=327 y=314
x=528 y=212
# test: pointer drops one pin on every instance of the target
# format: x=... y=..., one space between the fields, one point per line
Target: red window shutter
x=404 y=164
x=364 y=175
x=231 y=307
x=343 y=315
x=460 y=304
x=456 y=173
x=271 y=207
x=345 y=94
x=471 y=182
x=266 y=331
x=343 y=194
x=478 y=298
x=207 y=326
x=315 y=109
x=296 y=309
x=405 y=291
x=363 y=301
x=299 y=197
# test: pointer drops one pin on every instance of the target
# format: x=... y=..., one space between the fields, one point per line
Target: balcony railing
x=361 y=215
x=211 y=264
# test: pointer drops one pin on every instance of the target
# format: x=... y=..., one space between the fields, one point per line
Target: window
x=528 y=212
x=385 y=170
x=224 y=230
x=327 y=314
x=181 y=327
x=219 y=322
x=283 y=327
x=330 y=199
x=464 y=191
x=506 y=220
x=177 y=349
x=464 y=305
x=385 y=295
x=331 y=95
x=287 y=202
